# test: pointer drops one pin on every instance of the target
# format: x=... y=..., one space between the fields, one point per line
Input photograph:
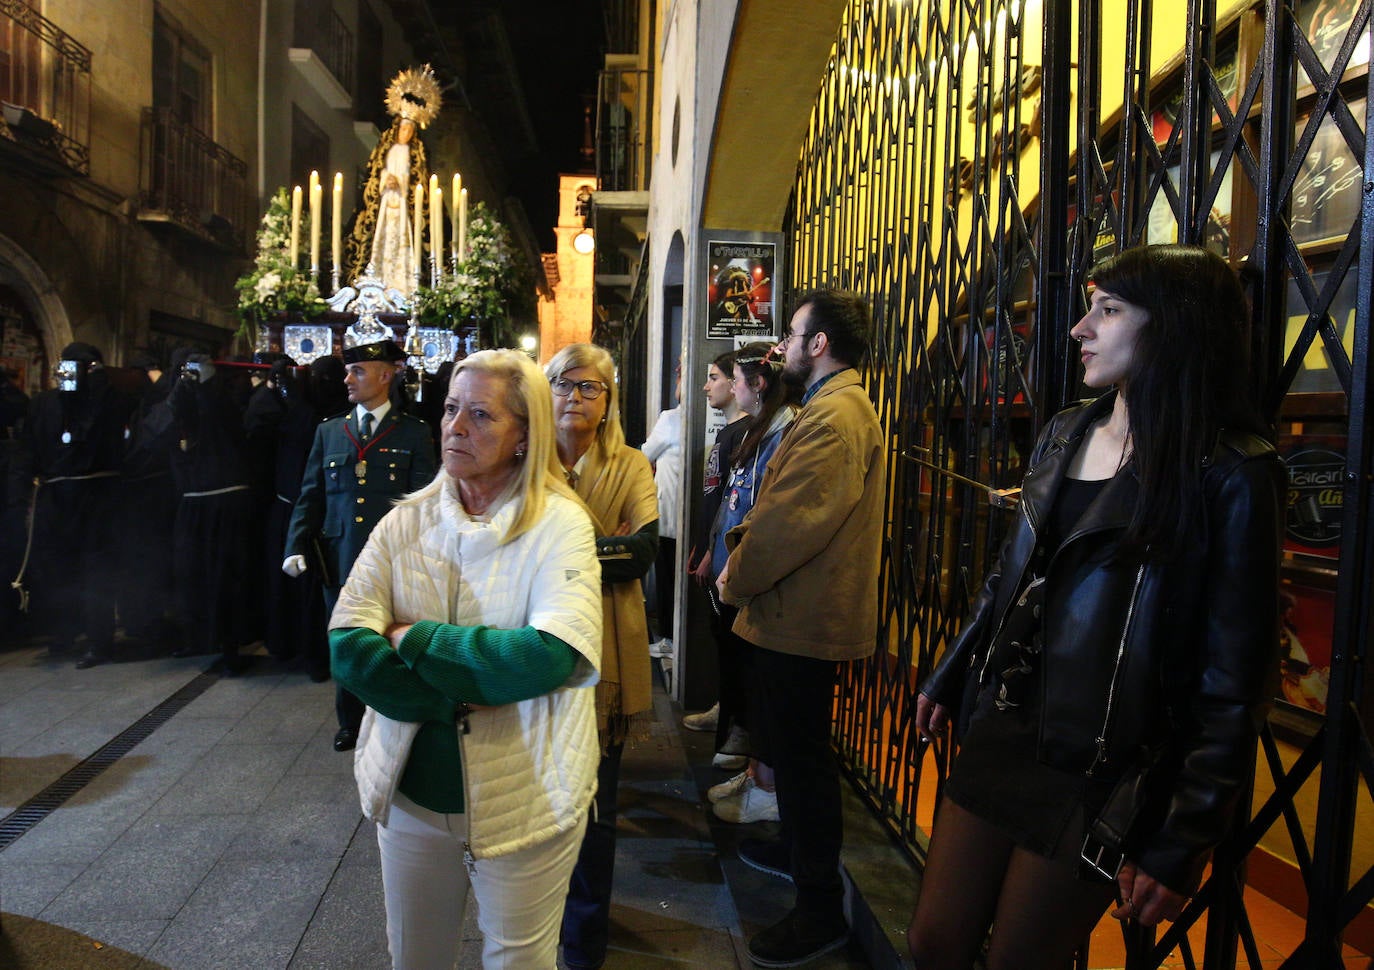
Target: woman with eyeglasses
x=1110 y=682
x=770 y=401
x=617 y=484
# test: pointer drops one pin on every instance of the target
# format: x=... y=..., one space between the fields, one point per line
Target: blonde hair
x=528 y=398
x=609 y=433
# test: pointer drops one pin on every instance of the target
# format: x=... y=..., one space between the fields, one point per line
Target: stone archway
x=21 y=273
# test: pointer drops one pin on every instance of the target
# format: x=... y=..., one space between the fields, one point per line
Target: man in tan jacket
x=804 y=569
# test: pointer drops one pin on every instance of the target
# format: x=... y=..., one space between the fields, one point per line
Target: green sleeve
x=628 y=557
x=484 y=665
x=364 y=663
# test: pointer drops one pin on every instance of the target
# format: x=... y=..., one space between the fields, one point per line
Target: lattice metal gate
x=973 y=240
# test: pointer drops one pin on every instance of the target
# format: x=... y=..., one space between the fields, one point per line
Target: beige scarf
x=619 y=489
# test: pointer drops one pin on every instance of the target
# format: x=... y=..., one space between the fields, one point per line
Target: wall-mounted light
x=584 y=242
x=528 y=343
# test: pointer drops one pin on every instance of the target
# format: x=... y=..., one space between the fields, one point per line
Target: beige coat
x=618 y=490
x=805 y=561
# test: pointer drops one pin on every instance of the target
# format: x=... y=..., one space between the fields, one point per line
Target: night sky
x=558 y=47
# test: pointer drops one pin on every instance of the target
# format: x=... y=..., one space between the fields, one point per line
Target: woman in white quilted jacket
x=471 y=627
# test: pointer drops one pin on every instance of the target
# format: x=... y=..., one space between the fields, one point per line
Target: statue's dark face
x=406 y=132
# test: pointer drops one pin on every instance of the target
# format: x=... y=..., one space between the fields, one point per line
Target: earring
x=519 y=452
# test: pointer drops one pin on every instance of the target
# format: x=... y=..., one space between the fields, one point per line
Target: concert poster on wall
x=739 y=290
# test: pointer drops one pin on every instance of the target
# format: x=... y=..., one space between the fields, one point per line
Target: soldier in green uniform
x=359 y=462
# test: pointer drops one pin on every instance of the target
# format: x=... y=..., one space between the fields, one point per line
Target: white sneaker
x=752 y=804
x=725 y=789
x=661 y=648
x=730 y=762
x=705 y=721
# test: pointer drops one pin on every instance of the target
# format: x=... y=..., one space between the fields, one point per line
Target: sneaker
x=728 y=788
x=796 y=940
x=766 y=855
x=661 y=648
x=737 y=742
x=730 y=762
x=752 y=804
x=705 y=721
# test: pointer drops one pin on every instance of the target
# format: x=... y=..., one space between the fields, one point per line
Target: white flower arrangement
x=275 y=285
x=484 y=283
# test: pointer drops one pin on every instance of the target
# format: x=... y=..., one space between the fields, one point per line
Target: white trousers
x=519 y=895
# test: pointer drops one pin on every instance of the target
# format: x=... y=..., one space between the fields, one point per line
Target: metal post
x=1329 y=910
x=1055 y=300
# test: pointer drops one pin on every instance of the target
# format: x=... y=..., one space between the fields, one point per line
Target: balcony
x=45 y=87
x=323 y=54
x=620 y=207
x=623 y=113
x=189 y=181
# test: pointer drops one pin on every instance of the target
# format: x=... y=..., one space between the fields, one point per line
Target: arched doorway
x=33 y=322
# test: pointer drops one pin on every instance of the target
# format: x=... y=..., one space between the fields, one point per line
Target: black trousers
x=792 y=714
x=665 y=586
x=587 y=911
x=347 y=708
x=735 y=661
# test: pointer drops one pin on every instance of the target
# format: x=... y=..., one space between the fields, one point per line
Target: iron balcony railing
x=622 y=129
x=45 y=84
x=186 y=178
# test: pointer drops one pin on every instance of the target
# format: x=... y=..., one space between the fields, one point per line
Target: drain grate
x=37 y=808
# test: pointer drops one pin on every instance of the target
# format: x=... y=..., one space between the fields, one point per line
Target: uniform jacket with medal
x=339 y=505
x=1174 y=658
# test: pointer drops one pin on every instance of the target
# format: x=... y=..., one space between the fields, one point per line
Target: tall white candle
x=336 y=228
x=295 y=224
x=463 y=225
x=453 y=203
x=316 y=221
x=418 y=222
x=436 y=229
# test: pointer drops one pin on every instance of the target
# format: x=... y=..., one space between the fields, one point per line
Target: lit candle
x=436 y=229
x=316 y=221
x=336 y=229
x=418 y=222
x=463 y=225
x=453 y=201
x=295 y=224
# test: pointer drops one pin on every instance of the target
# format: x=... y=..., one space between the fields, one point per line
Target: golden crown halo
x=414 y=95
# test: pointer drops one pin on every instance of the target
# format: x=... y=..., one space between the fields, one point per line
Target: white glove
x=293 y=566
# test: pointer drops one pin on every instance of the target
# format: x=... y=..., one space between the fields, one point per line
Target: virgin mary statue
x=382 y=244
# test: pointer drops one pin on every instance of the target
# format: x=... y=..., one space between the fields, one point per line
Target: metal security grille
x=973 y=241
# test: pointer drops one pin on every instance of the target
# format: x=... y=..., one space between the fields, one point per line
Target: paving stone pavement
x=230 y=837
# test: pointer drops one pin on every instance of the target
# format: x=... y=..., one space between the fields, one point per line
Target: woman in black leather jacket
x=1128 y=631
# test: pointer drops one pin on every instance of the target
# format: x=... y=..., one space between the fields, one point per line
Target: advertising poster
x=739 y=291
x=1316 y=473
